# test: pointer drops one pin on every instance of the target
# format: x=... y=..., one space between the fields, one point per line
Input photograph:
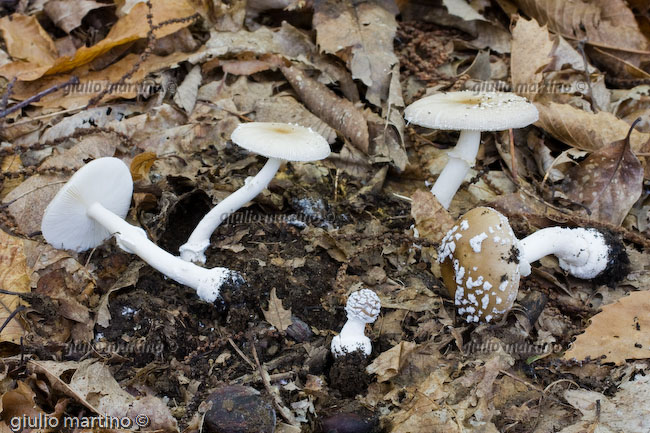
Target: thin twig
x=242 y=354
x=581 y=49
x=37 y=97
x=277 y=400
x=11 y=316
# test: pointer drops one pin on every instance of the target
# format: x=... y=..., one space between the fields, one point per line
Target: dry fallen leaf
x=626 y=411
x=132 y=27
x=607 y=24
x=14 y=277
x=608 y=182
x=621 y=331
x=586 y=131
x=186 y=93
x=389 y=363
x=67 y=14
x=366 y=44
x=27 y=41
x=276 y=315
x=531 y=53
x=141 y=165
x=19 y=402
x=431 y=219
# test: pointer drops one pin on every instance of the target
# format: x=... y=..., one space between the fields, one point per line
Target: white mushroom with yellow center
x=482 y=260
x=278 y=142
x=91 y=207
x=362 y=307
x=470 y=113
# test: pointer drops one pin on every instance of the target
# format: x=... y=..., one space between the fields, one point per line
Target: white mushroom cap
x=363 y=305
x=281 y=140
x=472 y=111
x=65 y=223
x=479 y=261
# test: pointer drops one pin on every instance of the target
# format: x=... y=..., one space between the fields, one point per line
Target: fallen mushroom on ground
x=91 y=207
x=362 y=307
x=470 y=113
x=482 y=260
x=278 y=142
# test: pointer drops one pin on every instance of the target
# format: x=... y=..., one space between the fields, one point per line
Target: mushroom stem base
x=132 y=239
x=584 y=253
x=461 y=159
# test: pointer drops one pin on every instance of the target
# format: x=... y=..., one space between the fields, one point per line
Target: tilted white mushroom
x=278 y=142
x=470 y=113
x=482 y=260
x=91 y=207
x=362 y=307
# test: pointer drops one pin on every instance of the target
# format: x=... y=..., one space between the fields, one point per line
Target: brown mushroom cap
x=479 y=261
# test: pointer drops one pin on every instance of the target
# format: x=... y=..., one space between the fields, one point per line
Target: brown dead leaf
x=185 y=96
x=624 y=412
x=608 y=182
x=20 y=402
x=389 y=363
x=531 y=53
x=14 y=277
x=67 y=14
x=606 y=24
x=586 y=131
x=619 y=332
x=10 y=163
x=431 y=219
x=337 y=112
x=27 y=41
x=132 y=27
x=366 y=44
x=141 y=165
x=276 y=315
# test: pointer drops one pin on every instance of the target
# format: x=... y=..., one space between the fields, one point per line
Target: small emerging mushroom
x=278 y=142
x=482 y=260
x=91 y=207
x=362 y=307
x=470 y=113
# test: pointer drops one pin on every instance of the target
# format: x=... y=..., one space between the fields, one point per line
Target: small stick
x=37 y=97
x=11 y=316
x=513 y=157
x=240 y=353
x=581 y=49
x=277 y=400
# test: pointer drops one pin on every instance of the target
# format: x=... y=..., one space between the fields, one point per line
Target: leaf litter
x=162 y=86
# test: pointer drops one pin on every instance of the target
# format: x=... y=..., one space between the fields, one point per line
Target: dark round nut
x=349 y=423
x=238 y=409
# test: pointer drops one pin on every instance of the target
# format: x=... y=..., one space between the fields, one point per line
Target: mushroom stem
x=194 y=249
x=584 y=253
x=353 y=328
x=461 y=159
x=132 y=239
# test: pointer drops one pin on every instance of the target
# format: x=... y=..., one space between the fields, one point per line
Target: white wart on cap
x=279 y=142
x=470 y=110
x=479 y=261
x=66 y=223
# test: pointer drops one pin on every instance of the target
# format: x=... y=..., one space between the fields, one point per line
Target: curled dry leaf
x=621 y=331
x=337 y=112
x=27 y=41
x=608 y=182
